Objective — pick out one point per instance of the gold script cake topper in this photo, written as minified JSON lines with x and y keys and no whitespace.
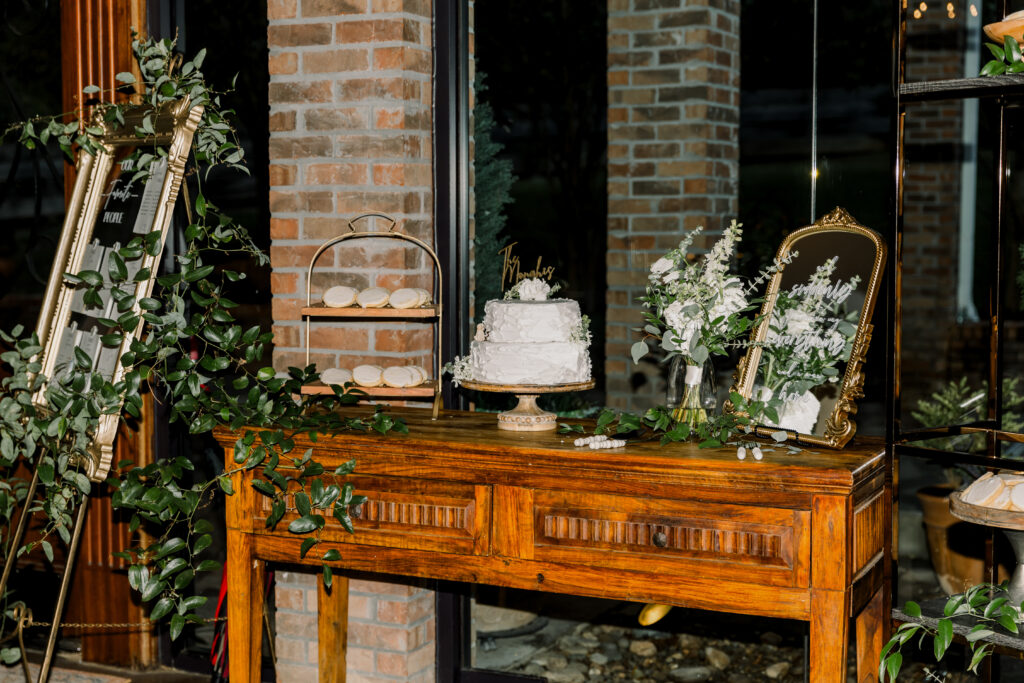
{"x":512,"y":272}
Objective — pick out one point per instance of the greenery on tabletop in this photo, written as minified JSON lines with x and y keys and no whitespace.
{"x":193,"y":354}
{"x":986,"y":604}
{"x":659,"y":422}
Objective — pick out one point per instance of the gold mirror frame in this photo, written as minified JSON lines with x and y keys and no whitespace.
{"x":839,"y":427}
{"x":174,"y":124}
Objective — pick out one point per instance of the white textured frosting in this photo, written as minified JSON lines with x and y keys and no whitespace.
{"x":529,"y":363}
{"x":531,"y":321}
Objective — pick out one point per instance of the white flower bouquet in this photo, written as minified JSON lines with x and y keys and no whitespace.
{"x":697,"y":309}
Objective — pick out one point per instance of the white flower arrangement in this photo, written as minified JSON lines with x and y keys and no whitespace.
{"x":696,"y":305}
{"x":809,"y":334}
{"x":459,"y":369}
{"x":582,"y":332}
{"x":531,"y":289}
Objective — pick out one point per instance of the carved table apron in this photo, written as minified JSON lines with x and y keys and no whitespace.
{"x":803,"y":536}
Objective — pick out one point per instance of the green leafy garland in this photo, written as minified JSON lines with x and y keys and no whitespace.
{"x":658,"y":422}
{"x":222,"y":387}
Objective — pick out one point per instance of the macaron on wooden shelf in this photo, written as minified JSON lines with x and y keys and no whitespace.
{"x":415,"y":304}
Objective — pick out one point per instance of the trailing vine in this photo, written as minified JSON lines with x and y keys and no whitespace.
{"x":193,"y":354}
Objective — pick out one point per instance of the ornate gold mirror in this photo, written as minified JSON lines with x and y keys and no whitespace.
{"x":109,"y":206}
{"x":807,"y":350}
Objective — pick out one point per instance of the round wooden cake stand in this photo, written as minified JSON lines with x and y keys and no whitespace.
{"x":1012,"y":524}
{"x":527,"y":416}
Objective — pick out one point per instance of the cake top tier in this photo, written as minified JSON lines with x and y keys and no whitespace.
{"x":531,"y":321}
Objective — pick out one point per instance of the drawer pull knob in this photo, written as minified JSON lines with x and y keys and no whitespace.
{"x":355,"y":511}
{"x":660,"y":539}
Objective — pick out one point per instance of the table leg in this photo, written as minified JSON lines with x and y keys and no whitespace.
{"x":332,"y":629}
{"x":830,"y":633}
{"x":870,"y":637}
{"x":245,"y":577}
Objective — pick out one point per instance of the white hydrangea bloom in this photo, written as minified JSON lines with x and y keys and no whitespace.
{"x":731,"y":299}
{"x":534,"y":289}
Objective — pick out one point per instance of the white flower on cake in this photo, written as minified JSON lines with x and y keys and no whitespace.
{"x":534,"y":289}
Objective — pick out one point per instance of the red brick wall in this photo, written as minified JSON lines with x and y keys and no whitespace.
{"x":350,"y":120}
{"x":673,"y":155}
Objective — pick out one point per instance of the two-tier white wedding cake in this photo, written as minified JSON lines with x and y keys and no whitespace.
{"x":531,"y":340}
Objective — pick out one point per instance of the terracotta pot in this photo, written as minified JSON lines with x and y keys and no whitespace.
{"x":957,"y":548}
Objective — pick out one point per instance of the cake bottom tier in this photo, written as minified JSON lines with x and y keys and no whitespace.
{"x":529,"y":362}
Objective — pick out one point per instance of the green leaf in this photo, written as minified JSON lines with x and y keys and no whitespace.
{"x":175,"y":565}
{"x":183,"y":579}
{"x":638,"y":351}
{"x":208,"y":566}
{"x":91,"y":89}
{"x":306,"y":545}
{"x":328,"y":575}
{"x":263,"y":486}
{"x":892,"y":665}
{"x":1011,"y":48}
{"x":125,"y":77}
{"x":302,"y":503}
{"x":943,"y":637}
{"x":198,"y":273}
{"x":303,"y":525}
{"x":912,"y":609}
{"x":979,"y":654}
{"x":191,"y":602}
{"x":202,"y":543}
{"x":978,"y":633}
{"x":225,"y":485}
{"x":170,"y":546}
{"x":152,"y":589}
{"x":332,"y":555}
{"x":161,"y":609}
{"x":177,"y":624}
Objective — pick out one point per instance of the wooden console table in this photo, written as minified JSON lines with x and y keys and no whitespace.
{"x":802,"y":536}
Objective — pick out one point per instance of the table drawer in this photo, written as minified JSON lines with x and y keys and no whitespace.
{"x":669,"y":537}
{"x":409,"y":513}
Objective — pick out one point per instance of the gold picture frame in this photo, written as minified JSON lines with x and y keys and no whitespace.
{"x":834,"y":426}
{"x":103,"y":206}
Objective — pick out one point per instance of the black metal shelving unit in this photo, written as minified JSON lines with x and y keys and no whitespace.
{"x":1007,"y":92}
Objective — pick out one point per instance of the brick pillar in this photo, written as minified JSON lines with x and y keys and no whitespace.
{"x":673,"y":155}
{"x":350,"y":121}
{"x":391,"y":631}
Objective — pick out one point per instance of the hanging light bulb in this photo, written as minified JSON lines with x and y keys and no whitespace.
{"x":923,"y":6}
{"x":974,"y":10}
{"x":917,"y":14}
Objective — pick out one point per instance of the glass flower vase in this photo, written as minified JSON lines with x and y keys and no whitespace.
{"x":690,"y":392}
